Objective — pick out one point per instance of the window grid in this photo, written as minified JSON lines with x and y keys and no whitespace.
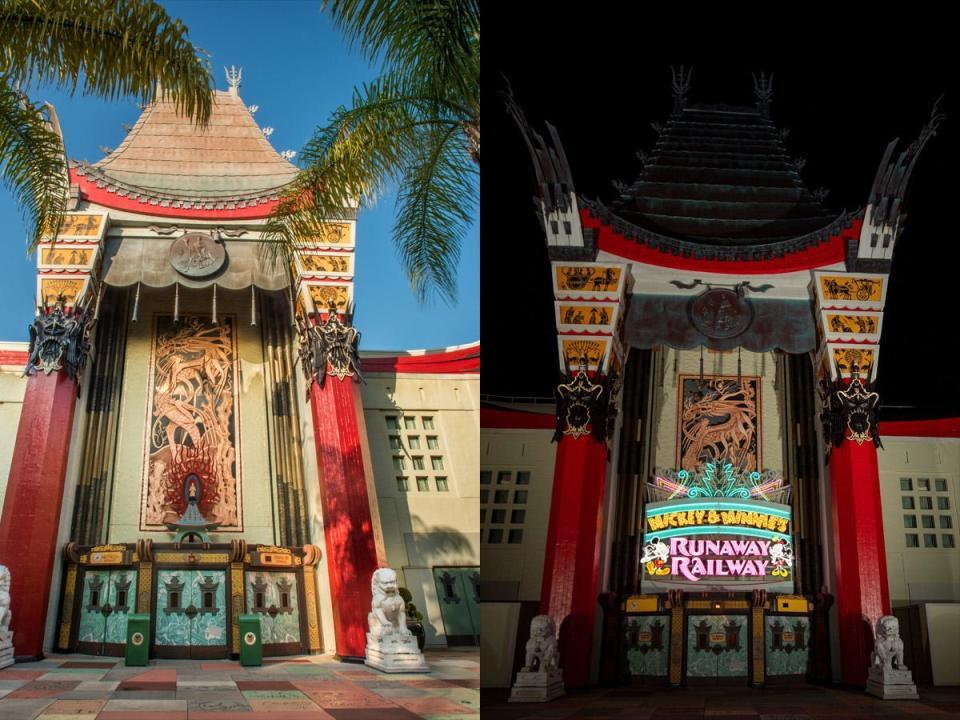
{"x":935,"y":497}
{"x":503,"y":508}
{"x":405,"y":436}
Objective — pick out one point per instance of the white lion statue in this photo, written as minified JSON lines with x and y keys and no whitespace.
{"x":888,"y":647}
{"x":5,"y":615}
{"x":388,"y":615}
{"x":542,"y":655}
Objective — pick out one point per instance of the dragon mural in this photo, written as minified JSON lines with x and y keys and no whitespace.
{"x":718,"y":420}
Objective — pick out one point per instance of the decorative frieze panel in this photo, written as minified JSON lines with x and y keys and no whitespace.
{"x":850,"y":321}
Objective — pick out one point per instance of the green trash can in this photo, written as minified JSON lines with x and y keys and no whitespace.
{"x":251,"y":646}
{"x":137,"y":652}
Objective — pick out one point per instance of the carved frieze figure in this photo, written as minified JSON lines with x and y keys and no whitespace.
{"x":329,"y":347}
{"x":59,"y":340}
{"x":542,"y":654}
{"x":388,"y":614}
{"x":888,"y":647}
{"x":6,"y":636}
{"x":850,"y":412}
{"x":585,"y":405}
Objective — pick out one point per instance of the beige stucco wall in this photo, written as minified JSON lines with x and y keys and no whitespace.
{"x":13,"y":384}
{"x":920,"y":574}
{"x":254,"y":472}
{"x":687,"y":362}
{"x":427,"y":529}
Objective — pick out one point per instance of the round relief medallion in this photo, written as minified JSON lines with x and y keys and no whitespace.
{"x":721,"y":313}
{"x":250,"y":638}
{"x":137,"y":638}
{"x":197,"y":255}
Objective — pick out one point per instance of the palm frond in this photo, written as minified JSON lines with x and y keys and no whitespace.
{"x":434,"y":211}
{"x":106,"y":48}
{"x":32,"y":163}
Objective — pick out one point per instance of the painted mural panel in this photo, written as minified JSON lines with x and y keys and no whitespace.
{"x":274,"y":597}
{"x":646,"y":638}
{"x":192,"y":422}
{"x":717,"y":646}
{"x":202,"y":590}
{"x":208,"y":595}
{"x":92,"y":621}
{"x":121,"y":596}
{"x":719,"y":420}
{"x":173,"y":625}
{"x":787,"y":638}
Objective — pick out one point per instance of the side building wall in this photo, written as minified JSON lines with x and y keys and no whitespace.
{"x":13,"y":385}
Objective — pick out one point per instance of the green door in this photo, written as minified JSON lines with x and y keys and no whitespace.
{"x":108,"y":597}
{"x":191,"y":617}
{"x":458,"y":592}
{"x":273,"y":596}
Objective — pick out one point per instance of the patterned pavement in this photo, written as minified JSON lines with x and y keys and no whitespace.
{"x":81,"y":687}
{"x":795,"y":702}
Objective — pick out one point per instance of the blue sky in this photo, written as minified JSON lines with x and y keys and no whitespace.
{"x":297,"y":68}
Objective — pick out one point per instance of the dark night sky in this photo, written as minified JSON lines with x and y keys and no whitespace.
{"x":603,"y":87}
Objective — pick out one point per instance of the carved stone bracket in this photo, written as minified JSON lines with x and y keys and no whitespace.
{"x":329,"y":347}
{"x":585,"y":405}
{"x":850,"y":411}
{"x":59,"y":340}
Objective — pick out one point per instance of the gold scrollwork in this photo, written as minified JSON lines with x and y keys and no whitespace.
{"x":109,"y":548}
{"x":66,"y":618}
{"x":236,"y":592}
{"x":182,"y":557}
{"x":313,"y":625}
{"x":272,"y":549}
{"x":144,"y":586}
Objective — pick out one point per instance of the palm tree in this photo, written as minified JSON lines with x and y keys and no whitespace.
{"x":105,"y":48}
{"x":416,"y":126}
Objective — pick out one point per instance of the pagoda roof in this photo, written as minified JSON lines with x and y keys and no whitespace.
{"x":719,"y":175}
{"x":167,"y":157}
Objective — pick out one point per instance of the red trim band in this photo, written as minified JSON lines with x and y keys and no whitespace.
{"x":453,"y":362}
{"x":516,"y":419}
{"x":14,"y":357}
{"x":938,"y":428}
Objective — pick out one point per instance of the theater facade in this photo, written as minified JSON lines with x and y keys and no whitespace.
{"x":197,"y":434}
{"x":710,"y":509}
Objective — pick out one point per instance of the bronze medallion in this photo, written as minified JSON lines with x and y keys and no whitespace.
{"x":197,"y":255}
{"x":720,"y":313}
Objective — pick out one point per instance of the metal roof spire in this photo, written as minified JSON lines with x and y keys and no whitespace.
{"x":234,"y":75}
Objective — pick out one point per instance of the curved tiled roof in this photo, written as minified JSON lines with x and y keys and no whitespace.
{"x":167,"y":157}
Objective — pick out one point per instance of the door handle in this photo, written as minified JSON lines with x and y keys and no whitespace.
{"x":106,"y":610}
{"x":190,"y":612}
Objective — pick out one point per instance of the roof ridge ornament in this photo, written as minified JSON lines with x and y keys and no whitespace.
{"x":763,"y":90}
{"x":234,"y":76}
{"x":680,"y":80}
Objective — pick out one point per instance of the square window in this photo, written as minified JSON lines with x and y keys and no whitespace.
{"x":940,"y":484}
{"x":926,"y":502}
{"x":929,"y":540}
{"x":927,"y":521}
{"x":402,"y":484}
{"x":436,"y":462}
{"x":906,"y":484}
{"x":943,"y":503}
{"x":501,"y":497}
{"x":483,"y":515}
{"x":392,"y":422}
{"x":923,"y":484}
{"x":423,"y":485}
{"x":418,"y":462}
{"x":515,"y":537}
{"x":912,"y":540}
{"x":520,"y":497}
{"x":410,"y":423}
{"x":495,"y":535}
{"x":442,"y":485}
{"x":906,"y":503}
{"x":518,"y":516}
{"x":947,"y":541}
{"x":523,"y":478}
{"x":395,"y":442}
{"x":498,"y":516}
{"x":503,"y":477}
{"x":398,"y":462}
{"x":946,"y":521}
{"x":428,"y":422}
{"x":909,"y":521}
{"x":413,"y":441}
{"x":485,"y":477}
{"x":484,"y":496}
{"x":432,"y":442}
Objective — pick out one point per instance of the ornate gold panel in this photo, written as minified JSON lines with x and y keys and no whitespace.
{"x":327,"y":263}
{"x":144,"y":586}
{"x":843,"y":359}
{"x":313,"y":622}
{"x":586,"y":314}
{"x":236,"y":595}
{"x":66,"y":617}
{"x":585,"y":278}
{"x":189,"y":557}
{"x":676,"y":645}
{"x":595,"y":351}
{"x":757,"y":632}
{"x":321,"y":295}
{"x":846,"y":287}
{"x":81,"y":226}
{"x":67,"y":256}
{"x":70,"y":288}
{"x":858,"y":324}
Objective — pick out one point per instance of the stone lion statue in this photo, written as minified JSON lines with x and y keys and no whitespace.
{"x":4,"y":601}
{"x":542,"y":655}
{"x":888,"y":647}
{"x":388,"y":615}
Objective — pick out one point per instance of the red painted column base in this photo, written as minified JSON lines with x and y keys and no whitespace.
{"x":571,"y":566}
{"x":348,"y":526}
{"x":31,"y":507}
{"x":862,"y":592}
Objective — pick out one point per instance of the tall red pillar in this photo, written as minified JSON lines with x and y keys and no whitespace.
{"x":571,"y":567}
{"x":862,"y":592}
{"x":31,"y":507}
{"x":347,"y":521}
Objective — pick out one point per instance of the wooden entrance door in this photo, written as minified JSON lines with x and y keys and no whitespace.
{"x":191,"y":614}
{"x":108,"y":597}
{"x":458,"y":592}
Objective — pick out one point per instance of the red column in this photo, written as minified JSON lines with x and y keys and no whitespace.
{"x":347,"y":524}
{"x":571,"y":567}
{"x":862,"y":592}
{"x":31,"y":507}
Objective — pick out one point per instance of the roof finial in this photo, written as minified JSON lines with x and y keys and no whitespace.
{"x":763,"y":90}
{"x":234,"y":75}
{"x":681,"y":86}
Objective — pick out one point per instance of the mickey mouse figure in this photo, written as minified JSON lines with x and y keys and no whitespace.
{"x":782,"y":556}
{"x":655,"y":555}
